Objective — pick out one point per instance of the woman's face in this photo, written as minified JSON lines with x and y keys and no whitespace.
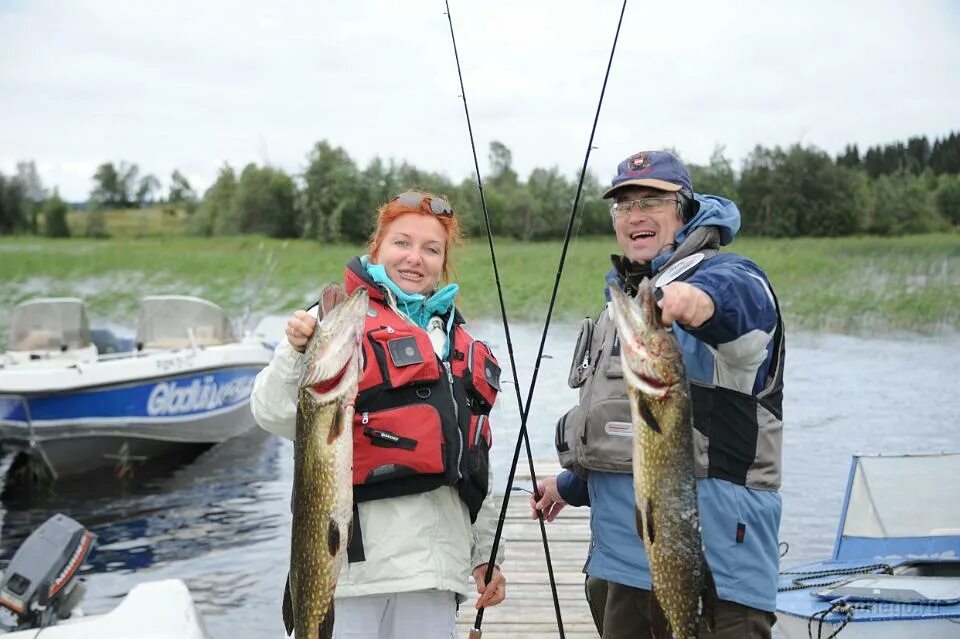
{"x":412,"y":252}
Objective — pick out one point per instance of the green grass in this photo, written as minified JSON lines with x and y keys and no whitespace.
{"x":848,"y":285}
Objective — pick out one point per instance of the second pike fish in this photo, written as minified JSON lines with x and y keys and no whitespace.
{"x":668,"y":520}
{"x":323,"y":465}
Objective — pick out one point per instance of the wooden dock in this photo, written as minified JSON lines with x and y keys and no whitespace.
{"x":528,"y":611}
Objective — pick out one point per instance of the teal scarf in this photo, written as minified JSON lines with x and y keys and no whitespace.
{"x":419,"y":308}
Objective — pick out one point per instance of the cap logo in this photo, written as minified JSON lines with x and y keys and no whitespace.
{"x":639,"y":163}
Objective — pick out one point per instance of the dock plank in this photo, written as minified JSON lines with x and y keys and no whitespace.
{"x":528,"y":611}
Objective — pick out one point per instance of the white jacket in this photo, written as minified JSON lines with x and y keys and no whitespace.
{"x":413,"y":542}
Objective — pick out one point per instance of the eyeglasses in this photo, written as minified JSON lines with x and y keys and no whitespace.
{"x":414,"y":199}
{"x":646,"y":205}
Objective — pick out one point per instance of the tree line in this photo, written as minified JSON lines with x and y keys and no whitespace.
{"x":892,"y":189}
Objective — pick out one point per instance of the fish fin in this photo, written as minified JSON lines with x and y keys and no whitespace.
{"x":659,"y":624}
{"x":287,"y":608}
{"x":709,"y":599}
{"x":326,"y":626}
{"x":651,"y":536}
{"x":333,"y":538}
{"x":331,"y":295}
{"x":645,"y":521}
{"x":336,"y":429}
{"x":648,"y":418}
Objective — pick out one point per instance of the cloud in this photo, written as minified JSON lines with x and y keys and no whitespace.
{"x":188,"y":86}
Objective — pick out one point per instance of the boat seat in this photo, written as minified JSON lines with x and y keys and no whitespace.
{"x":39,"y":340}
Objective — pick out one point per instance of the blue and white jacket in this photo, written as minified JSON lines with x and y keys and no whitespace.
{"x":734,"y":363}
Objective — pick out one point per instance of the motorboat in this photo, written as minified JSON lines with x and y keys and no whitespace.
{"x":186,"y":380}
{"x":41,"y":592}
{"x":895,"y":568}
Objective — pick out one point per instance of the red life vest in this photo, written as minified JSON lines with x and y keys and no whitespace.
{"x":420,"y":422}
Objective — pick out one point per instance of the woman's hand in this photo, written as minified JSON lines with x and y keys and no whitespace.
{"x":300,"y":327}
{"x":493,"y":593}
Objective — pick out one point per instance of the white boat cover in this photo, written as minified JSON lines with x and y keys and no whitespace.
{"x":151,"y":610}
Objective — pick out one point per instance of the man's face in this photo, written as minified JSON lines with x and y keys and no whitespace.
{"x":644,"y":230}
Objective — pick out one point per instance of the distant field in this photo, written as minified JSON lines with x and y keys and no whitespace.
{"x":124,"y":223}
{"x":848,"y":285}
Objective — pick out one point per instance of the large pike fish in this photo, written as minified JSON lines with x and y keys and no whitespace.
{"x":663,"y":471}
{"x":323,"y":465}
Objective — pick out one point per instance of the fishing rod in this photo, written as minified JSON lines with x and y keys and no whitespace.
{"x":522,"y":437}
{"x":475,"y":632}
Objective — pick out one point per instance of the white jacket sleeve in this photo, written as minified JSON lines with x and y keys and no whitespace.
{"x":485,"y":528}
{"x":274,"y":397}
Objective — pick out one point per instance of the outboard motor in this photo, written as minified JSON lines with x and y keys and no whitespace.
{"x":40,"y":586}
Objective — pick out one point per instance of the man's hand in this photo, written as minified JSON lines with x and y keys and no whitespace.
{"x":493,"y":593}
{"x":551,"y":503}
{"x":686,"y":304}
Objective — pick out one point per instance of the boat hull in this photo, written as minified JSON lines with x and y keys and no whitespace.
{"x":114,"y":412}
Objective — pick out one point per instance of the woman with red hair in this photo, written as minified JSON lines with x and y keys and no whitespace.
{"x":423,"y":517}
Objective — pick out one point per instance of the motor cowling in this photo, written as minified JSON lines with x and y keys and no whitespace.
{"x":40,"y":585}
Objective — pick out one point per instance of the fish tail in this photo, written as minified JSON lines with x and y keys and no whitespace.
{"x":325,"y":630}
{"x":659,"y":624}
{"x":287,"y":608}
{"x":708,"y":598}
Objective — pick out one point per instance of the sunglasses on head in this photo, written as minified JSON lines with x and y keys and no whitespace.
{"x":414,"y":200}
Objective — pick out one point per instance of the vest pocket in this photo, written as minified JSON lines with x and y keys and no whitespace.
{"x":482,"y":375}
{"x":405,"y":357}
{"x":568,"y":431}
{"x":614,"y":367}
{"x":478,"y":455}
{"x":398,"y":442}
{"x":480,"y":432}
{"x":580,"y":366}
{"x":607,"y":440}
{"x":478,"y":464}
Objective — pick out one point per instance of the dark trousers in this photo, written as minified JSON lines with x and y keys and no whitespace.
{"x":626,"y":616}
{"x":596,"y":592}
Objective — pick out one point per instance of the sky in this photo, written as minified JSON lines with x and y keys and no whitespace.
{"x":192,"y":85}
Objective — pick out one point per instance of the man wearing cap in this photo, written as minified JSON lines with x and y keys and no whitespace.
{"x":726,"y":318}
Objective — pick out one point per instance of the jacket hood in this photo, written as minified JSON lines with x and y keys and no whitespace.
{"x":714,"y":211}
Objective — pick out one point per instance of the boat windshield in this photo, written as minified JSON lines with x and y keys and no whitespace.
{"x":50,"y":324}
{"x":906,"y":496}
{"x":173,"y":321}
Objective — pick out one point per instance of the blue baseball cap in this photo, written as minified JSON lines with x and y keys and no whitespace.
{"x":656,"y":169}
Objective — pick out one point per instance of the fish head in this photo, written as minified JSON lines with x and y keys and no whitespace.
{"x":649,"y":352}
{"x":335,"y":349}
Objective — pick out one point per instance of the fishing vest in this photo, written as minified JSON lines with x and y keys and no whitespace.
{"x":420,"y":421}
{"x":737,"y":436}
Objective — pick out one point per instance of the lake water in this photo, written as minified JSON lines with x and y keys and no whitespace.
{"x":221,"y":521}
